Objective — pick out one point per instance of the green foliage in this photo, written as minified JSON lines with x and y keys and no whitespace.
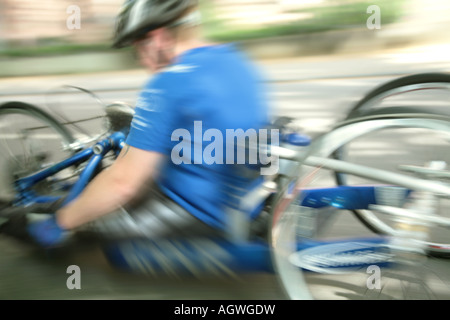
{"x":339,"y":14}
{"x":55,"y":49}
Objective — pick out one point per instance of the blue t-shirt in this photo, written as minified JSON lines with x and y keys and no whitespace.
{"x":185,"y":113}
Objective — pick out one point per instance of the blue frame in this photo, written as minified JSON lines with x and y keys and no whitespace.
{"x":94,"y":155}
{"x":244,"y":256}
{"x":340,"y":197}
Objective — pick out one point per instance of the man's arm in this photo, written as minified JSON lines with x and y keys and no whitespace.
{"x":112,"y":188}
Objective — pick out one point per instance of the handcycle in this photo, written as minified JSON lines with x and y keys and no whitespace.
{"x":309,"y":243}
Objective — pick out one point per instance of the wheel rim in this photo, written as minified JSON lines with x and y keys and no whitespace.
{"x":420,"y":96}
{"x":428,"y":96}
{"x":324,"y":147}
{"x":29,"y":142}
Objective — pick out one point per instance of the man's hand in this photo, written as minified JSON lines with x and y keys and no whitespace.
{"x":47,"y":233}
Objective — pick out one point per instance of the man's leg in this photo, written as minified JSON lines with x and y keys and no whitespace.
{"x":156,"y":217}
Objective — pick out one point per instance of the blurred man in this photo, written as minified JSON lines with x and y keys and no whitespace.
{"x":168,"y":191}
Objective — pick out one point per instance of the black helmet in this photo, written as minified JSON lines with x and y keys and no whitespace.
{"x":138,"y":17}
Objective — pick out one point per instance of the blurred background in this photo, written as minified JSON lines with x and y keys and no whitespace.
{"x":31,"y":31}
{"x":319,"y":57}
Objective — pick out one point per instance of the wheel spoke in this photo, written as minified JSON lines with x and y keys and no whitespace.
{"x":31,"y":139}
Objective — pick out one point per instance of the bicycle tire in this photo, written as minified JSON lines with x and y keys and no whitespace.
{"x":362,"y":110}
{"x":42,"y":119}
{"x":26,"y":108}
{"x":367,"y":218}
{"x":322,"y":148}
{"x":398,"y":86}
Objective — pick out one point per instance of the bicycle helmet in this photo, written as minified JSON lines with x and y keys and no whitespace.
{"x":137,"y":17}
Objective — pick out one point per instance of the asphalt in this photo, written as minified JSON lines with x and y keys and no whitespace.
{"x":386,"y":63}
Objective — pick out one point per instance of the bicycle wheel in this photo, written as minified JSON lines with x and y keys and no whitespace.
{"x":31,"y":140}
{"x":320,"y":251}
{"x":423,"y":95}
{"x":79,"y":109}
{"x":427,"y":92}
